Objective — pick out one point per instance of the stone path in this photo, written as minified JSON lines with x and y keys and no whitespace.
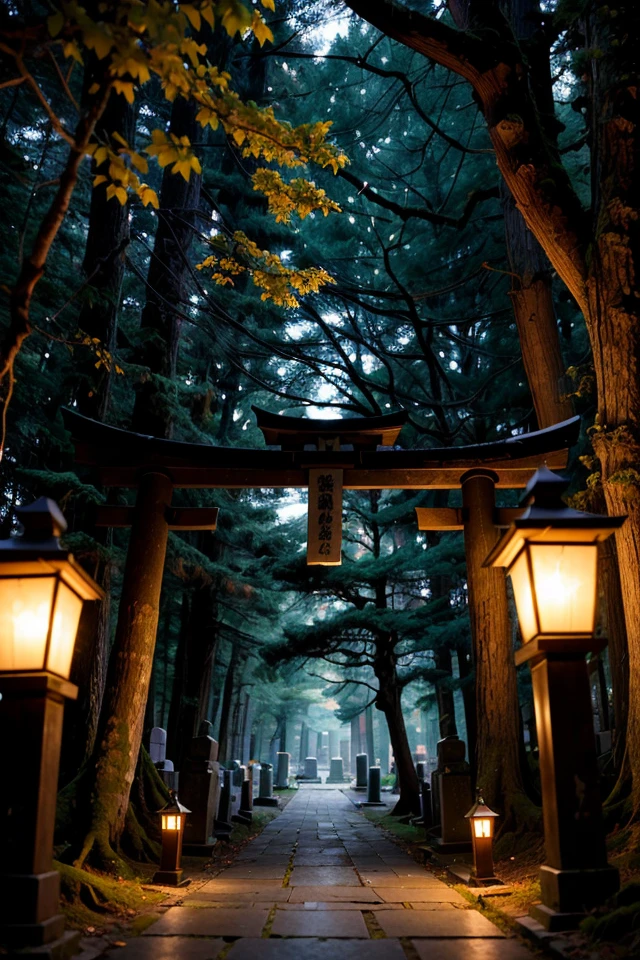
{"x":322,"y":883}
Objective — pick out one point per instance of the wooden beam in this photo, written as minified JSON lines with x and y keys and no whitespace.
{"x":440,"y":518}
{"x":178,"y":518}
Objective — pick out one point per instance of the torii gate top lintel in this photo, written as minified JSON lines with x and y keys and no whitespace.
{"x":122,"y":458}
{"x":362,"y":433}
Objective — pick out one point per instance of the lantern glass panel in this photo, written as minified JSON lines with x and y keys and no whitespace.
{"x":25,"y":611}
{"x":170,"y":821}
{"x":521,"y":581}
{"x":564,"y":576}
{"x":482,"y":827}
{"x":66,"y":618}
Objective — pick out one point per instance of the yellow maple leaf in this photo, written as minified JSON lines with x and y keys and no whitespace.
{"x":148,"y":196}
{"x":126,"y":89}
{"x":192,"y":14}
{"x":260,"y":30}
{"x":269,"y":5}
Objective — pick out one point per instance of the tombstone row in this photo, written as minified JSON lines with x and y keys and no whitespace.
{"x":216,"y":796}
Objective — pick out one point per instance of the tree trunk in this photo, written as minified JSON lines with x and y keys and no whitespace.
{"x":104,"y":263}
{"x":497,"y":754}
{"x":467,"y":676}
{"x":89,"y":673}
{"x":225,"y":713}
{"x":615,"y":631}
{"x":161,"y":318}
{"x":532,"y":300}
{"x":115,"y":756}
{"x":614,"y":317}
{"x":175,"y":723}
{"x":391,"y":705}
{"x":371,"y":749}
{"x":444,"y":694}
{"x":389,"y":701}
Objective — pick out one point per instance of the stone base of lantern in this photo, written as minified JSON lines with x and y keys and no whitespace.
{"x":567,"y":895}
{"x":266,"y":802}
{"x":169,"y":878}
{"x":489,"y":886}
{"x":341,"y":780}
{"x":68,"y":945}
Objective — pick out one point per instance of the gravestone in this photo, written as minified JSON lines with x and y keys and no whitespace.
{"x":200,"y":792}
{"x":282,"y":776}
{"x":265,"y":796}
{"x":374,"y":798}
{"x":425,"y":803}
{"x":336,"y":771}
{"x":310,"y":770}
{"x":362,"y":771}
{"x":222,"y":825}
{"x":421,"y":769}
{"x":451,"y":797}
{"x":158,"y":754}
{"x":242,"y":788}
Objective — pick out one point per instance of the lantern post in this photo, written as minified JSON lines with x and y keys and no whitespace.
{"x":550,"y":552}
{"x":482,"y":821}
{"x":42,"y":590}
{"x":173,"y":818}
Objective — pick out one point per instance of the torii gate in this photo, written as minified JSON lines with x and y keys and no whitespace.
{"x":155,"y":467}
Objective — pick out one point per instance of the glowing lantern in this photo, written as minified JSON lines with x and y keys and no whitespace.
{"x":173,"y":818}
{"x":551,"y":555}
{"x":482,"y":820}
{"x":42,"y":590}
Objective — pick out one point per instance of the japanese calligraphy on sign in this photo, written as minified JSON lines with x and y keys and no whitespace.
{"x":324,"y":540}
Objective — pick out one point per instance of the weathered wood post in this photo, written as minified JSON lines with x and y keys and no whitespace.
{"x":496,"y":753}
{"x":131,"y":659}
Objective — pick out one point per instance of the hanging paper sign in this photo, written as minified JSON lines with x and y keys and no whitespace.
{"x":324,"y":539}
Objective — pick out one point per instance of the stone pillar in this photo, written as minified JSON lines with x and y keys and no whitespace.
{"x":334,"y":744}
{"x":282,"y":777}
{"x":200,"y":792}
{"x":355,"y":743}
{"x":421,"y":769}
{"x":374,"y":785}
{"x":345,"y":753}
{"x":362,"y":770}
{"x":425,"y":804}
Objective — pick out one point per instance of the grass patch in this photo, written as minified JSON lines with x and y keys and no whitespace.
{"x":403,"y":831}
{"x":92,"y":901}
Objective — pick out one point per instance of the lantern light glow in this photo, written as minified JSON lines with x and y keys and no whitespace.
{"x":551,"y":555}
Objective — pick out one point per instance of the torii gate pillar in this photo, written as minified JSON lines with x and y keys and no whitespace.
{"x":491,"y":639}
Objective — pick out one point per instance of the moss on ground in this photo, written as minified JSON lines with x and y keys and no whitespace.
{"x":92,"y":901}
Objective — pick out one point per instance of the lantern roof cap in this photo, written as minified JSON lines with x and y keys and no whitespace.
{"x":174,"y":805}
{"x":480,"y":809}
{"x":38,"y":551}
{"x":547,"y":518}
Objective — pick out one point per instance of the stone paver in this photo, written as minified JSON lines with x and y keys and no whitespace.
{"x":319,"y":923}
{"x":471,"y":950}
{"x":317,"y":950}
{"x":436,"y":923}
{"x":169,"y":948}
{"x":221,"y":922}
{"x":345,"y":873}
